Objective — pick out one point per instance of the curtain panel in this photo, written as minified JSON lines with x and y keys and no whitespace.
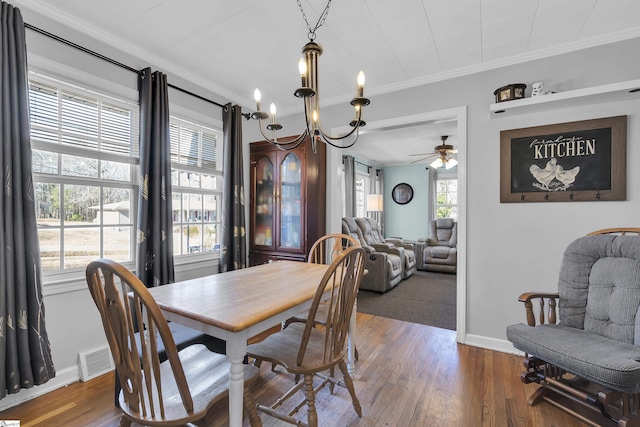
{"x":349,"y":185}
{"x":25,"y":352}
{"x":233,"y":247}
{"x":155,"y":234}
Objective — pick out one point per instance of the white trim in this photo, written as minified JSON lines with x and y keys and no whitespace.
{"x":64,"y":377}
{"x":334,"y":204}
{"x":494,"y":344}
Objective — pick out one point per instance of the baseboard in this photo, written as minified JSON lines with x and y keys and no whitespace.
{"x":495,"y":344}
{"x":62,"y":378}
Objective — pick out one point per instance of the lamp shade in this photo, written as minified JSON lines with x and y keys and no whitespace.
{"x":374,"y":203}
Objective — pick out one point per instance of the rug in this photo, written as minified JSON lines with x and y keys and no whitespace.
{"x":426,"y":298}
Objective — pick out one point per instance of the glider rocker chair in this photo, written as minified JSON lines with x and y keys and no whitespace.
{"x":589,"y":363}
{"x":181,"y":390}
{"x":307,"y":349}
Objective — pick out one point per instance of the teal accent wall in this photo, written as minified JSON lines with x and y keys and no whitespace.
{"x":407,"y":221}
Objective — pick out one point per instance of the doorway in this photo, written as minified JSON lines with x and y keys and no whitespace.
{"x":334,"y":208}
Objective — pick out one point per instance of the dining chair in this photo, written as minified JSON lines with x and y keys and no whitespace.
{"x":181,"y":389}
{"x":308,"y":350}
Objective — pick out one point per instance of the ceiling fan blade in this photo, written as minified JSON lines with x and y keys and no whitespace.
{"x":422,"y":154}
{"x":418,"y":161}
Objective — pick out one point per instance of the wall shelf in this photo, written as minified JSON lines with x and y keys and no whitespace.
{"x":572,"y":98}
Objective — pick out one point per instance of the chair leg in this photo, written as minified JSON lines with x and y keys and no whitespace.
{"x":312,"y":415}
{"x":125,"y":422}
{"x":349,"y":384}
{"x":250,"y":408}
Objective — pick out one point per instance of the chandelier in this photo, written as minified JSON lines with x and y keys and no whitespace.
{"x":310,"y":94}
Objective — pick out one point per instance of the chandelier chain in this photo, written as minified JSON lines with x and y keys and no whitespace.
{"x":321,"y":19}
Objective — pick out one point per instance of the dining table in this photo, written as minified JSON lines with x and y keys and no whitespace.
{"x":240,"y":304}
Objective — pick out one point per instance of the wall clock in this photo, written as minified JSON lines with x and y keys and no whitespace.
{"x":402,"y":193}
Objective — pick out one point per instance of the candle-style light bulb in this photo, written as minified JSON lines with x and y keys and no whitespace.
{"x":360,"y":84}
{"x":258,"y":97}
{"x":272,"y":110}
{"x":302,"y":68}
{"x":314,"y":118}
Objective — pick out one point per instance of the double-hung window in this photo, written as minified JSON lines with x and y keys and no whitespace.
{"x":447,"y":197}
{"x":84,"y":151}
{"x":196,"y":180}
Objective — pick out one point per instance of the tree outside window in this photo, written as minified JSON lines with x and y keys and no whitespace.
{"x":447,"y":198}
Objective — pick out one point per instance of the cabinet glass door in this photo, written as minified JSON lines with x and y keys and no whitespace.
{"x":290,"y":219}
{"x":263,"y":234}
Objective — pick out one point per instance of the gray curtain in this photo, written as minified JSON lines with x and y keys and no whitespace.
{"x":375,"y":187}
{"x":155,"y":225}
{"x":233,"y":240}
{"x":349,"y":185}
{"x":433,"y":192}
{"x":380,"y":215}
{"x":25,"y":353}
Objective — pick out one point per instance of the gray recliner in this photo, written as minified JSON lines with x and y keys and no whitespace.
{"x":439,"y":251}
{"x":591,"y":359}
{"x":384,"y":270}
{"x":373,"y":235}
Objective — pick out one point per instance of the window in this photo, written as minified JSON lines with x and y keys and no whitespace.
{"x":196,"y":187}
{"x":84,"y":163}
{"x":447,"y":198}
{"x":362,"y":189}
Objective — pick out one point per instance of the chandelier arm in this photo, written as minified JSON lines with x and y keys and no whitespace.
{"x":328,"y":141}
{"x":284,"y":145}
{"x":325,"y":135}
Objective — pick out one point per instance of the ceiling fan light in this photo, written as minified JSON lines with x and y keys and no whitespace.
{"x":451,"y":163}
{"x":437,"y":163}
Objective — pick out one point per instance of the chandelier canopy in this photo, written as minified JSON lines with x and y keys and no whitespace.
{"x":310,"y":94}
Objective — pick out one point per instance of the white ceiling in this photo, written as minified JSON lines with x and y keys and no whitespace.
{"x":232,"y":47}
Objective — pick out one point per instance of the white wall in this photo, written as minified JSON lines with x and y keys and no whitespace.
{"x":512,"y":248}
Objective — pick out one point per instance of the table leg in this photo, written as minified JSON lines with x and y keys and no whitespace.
{"x":352,"y":340}
{"x":236,"y":350}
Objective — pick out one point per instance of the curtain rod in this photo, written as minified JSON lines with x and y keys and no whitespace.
{"x":114,"y":62}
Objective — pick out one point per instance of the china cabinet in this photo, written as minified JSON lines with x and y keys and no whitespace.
{"x":288,"y":199}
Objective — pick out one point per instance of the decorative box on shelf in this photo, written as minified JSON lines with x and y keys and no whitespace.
{"x":510,"y":92}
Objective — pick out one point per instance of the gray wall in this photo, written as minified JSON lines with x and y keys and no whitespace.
{"x":511,"y":248}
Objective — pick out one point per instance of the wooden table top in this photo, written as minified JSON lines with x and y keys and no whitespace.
{"x":239,"y":299}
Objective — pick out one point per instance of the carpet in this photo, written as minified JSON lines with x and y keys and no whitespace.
{"x":426,"y":298}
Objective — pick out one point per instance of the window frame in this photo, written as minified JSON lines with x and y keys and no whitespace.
{"x":446,"y":177}
{"x":93,"y":89}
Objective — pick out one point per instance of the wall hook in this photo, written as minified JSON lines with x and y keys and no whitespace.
{"x":598,"y":194}
{"x":571,"y":195}
{"x":546,"y":196}
{"x":522,"y":197}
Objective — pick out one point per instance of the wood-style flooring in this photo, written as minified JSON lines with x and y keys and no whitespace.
{"x":407,"y":375}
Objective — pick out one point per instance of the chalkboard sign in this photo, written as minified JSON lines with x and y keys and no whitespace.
{"x":583,"y":160}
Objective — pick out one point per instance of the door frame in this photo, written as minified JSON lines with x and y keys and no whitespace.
{"x":334,"y":205}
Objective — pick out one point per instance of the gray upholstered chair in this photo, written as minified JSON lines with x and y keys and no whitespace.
{"x":439,"y":251}
{"x":589,"y":363}
{"x":373,"y":235}
{"x":384,"y":269}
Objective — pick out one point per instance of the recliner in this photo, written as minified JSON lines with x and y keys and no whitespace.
{"x":384,"y":268}
{"x":439,"y":251}
{"x":373,"y":234}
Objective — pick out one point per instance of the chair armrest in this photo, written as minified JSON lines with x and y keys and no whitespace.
{"x":389,"y":249}
{"x":549,"y":298}
{"x":393,"y":241}
{"x":400,"y":244}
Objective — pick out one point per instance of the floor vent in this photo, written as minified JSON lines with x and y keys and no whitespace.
{"x":95,"y":363}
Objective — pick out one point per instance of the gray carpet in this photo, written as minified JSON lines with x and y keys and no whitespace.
{"x":426,"y":298}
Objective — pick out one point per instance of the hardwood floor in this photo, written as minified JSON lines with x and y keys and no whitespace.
{"x":407,"y":375}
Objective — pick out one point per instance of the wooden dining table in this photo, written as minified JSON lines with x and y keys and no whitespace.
{"x":240,"y":304}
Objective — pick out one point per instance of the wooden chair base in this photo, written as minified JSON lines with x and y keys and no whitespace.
{"x":592,"y":404}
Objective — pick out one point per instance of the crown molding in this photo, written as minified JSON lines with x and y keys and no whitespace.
{"x":168,"y":67}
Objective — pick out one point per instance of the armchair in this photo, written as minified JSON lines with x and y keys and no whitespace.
{"x":384,"y":269}
{"x":589,"y":363}
{"x":373,"y":235}
{"x":439,"y":251}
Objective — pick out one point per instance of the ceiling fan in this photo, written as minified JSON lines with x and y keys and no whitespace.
{"x":443,"y":154}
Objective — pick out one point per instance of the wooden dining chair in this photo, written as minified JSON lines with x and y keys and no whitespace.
{"x":308,"y":350}
{"x":180,"y":390}
{"x":323,"y":251}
